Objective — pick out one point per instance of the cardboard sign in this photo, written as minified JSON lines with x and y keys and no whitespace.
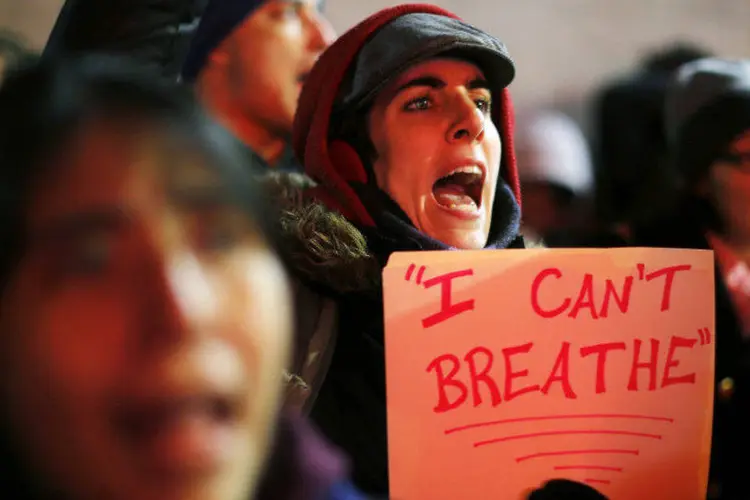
{"x":509,"y":368}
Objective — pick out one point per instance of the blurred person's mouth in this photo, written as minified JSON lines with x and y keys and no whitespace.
{"x":189,"y":429}
{"x":302,"y":78}
{"x":191,"y":434}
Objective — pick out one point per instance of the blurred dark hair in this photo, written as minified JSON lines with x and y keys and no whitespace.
{"x":670,"y":57}
{"x":13,"y":50}
{"x":44,"y":104}
{"x":630,"y":146}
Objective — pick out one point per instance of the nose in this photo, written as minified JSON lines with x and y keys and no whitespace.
{"x":468,"y":123}
{"x":180,"y":300}
{"x":321,"y":32}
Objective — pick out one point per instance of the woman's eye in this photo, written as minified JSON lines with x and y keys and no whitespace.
{"x":483,"y":104}
{"x":418,"y":104}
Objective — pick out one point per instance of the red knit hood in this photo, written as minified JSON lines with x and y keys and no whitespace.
{"x":335,"y":164}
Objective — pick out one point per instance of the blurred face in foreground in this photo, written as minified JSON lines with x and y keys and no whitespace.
{"x":145,"y":328}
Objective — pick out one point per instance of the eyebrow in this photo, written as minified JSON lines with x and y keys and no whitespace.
{"x":479,"y":83}
{"x":436,"y":83}
{"x":78,"y":223}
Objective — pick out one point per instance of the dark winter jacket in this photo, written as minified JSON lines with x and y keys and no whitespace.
{"x":303,"y":466}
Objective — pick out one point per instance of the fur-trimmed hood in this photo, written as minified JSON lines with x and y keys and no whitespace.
{"x":319,"y":245}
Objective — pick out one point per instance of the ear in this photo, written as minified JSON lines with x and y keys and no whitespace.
{"x":347,"y":162}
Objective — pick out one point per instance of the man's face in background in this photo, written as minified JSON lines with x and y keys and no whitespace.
{"x":269,"y":56}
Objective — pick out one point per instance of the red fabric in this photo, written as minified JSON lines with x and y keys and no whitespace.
{"x":311,"y":123}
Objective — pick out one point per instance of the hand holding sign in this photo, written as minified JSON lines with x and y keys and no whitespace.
{"x":508,"y":368}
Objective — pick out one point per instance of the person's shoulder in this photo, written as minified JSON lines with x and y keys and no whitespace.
{"x":319,"y":245}
{"x":345,"y":490}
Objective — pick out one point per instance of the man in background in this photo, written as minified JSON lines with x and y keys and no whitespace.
{"x":247,"y":58}
{"x":248,"y":61}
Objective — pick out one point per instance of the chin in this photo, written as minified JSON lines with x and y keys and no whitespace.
{"x":464,"y":240}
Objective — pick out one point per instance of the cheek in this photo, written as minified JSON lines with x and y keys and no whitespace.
{"x":729,"y":187}
{"x":409,"y":157}
{"x":78,"y":338}
{"x":493,"y":152}
{"x":65,"y":355}
{"x":259,"y":307}
{"x":280,"y":51}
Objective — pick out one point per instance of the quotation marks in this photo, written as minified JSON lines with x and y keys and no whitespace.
{"x":448,"y":308}
{"x":705,"y":336}
{"x":410,"y":272}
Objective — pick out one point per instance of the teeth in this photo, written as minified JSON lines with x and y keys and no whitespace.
{"x":469,"y":169}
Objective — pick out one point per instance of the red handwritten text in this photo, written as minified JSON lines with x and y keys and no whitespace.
{"x":592,"y":299}
{"x":476,"y":376}
{"x":447,"y":308}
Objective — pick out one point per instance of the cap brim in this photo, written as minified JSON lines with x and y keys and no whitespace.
{"x":497,"y":67}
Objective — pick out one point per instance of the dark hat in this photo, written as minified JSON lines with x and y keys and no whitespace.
{"x":416,"y":37}
{"x":707,"y":106}
{"x":219,"y":19}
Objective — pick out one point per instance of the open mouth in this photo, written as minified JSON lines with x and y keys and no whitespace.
{"x":461,"y":189}
{"x":180,"y":435}
{"x":142,"y":421}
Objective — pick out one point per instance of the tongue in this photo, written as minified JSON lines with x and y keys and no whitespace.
{"x":454,"y":196}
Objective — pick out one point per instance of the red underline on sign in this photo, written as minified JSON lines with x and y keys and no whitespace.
{"x":575,"y":452}
{"x":587,"y":467}
{"x":558,"y":417}
{"x":565,"y":433}
{"x":596,"y":481}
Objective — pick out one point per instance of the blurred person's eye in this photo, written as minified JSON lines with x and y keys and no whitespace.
{"x":287,"y":10}
{"x":89,"y":255}
{"x":737,"y":158}
{"x":218,"y":238}
{"x":221,"y":232}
